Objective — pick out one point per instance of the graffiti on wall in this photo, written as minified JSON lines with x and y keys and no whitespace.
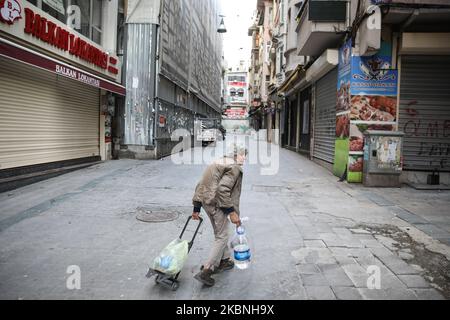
{"x":174,"y":118}
{"x":432,"y":137}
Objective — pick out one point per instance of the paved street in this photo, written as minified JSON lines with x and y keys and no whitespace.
{"x":312,"y":237}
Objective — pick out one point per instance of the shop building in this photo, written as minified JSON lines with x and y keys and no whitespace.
{"x":235,"y":113}
{"x":60,"y":84}
{"x":374,"y":65}
{"x":173,"y":67}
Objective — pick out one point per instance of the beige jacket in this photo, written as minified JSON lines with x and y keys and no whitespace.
{"x":220,"y":185}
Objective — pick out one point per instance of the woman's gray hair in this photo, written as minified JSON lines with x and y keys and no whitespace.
{"x":236,"y":149}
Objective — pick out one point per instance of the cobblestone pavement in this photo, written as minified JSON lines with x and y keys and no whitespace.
{"x":312,"y":237}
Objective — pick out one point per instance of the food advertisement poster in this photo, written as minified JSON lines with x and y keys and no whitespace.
{"x":344,"y":78}
{"x":343,"y":109}
{"x":367,"y":96}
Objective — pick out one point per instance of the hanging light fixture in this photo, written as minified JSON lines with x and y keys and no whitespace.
{"x":222,"y":28}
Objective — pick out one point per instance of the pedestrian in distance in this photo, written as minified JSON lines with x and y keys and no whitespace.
{"x":218,"y":193}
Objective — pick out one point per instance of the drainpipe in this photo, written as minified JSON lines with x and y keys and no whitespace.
{"x":349,"y":12}
{"x":410,"y":19}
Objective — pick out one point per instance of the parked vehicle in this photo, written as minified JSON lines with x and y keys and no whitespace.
{"x":209,"y":130}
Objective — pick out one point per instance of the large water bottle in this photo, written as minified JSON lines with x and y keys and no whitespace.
{"x":241,"y":249}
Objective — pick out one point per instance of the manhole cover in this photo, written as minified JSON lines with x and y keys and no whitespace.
{"x":152,"y":214}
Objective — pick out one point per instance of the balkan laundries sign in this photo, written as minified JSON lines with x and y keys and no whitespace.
{"x":23,"y":21}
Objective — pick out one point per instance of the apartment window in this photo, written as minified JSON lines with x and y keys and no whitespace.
{"x":280,"y":58}
{"x":236,"y":78}
{"x":84,"y":16}
{"x":269,"y":44}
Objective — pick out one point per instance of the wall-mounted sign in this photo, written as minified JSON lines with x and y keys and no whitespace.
{"x":162,"y":121}
{"x":237,"y":84}
{"x":52,"y":65}
{"x":10,"y":11}
{"x":236,"y":113}
{"x":24,"y":21}
{"x":366,"y":100}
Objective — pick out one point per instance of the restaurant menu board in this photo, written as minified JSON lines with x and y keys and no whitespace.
{"x":366,"y":100}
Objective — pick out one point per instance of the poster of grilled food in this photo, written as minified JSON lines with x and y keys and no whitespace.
{"x":373,"y":108}
{"x":342,"y":126}
{"x":343,"y":97}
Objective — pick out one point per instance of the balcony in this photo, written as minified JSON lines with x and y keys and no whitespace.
{"x":321,"y":25}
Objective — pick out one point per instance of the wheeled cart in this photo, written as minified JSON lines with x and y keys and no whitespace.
{"x":167,"y":280}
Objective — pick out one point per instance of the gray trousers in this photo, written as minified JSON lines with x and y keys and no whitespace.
{"x":221,"y":227}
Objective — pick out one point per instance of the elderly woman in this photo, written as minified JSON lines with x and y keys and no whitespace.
{"x":218,"y":192}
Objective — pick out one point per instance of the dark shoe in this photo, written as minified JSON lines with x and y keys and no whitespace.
{"x":224,"y":265}
{"x":204,"y":276}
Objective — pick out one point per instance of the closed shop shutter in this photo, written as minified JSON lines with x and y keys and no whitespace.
{"x":45,"y":117}
{"x":325,"y":117}
{"x":425,"y":112}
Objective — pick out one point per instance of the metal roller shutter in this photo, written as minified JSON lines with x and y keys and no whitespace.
{"x":45,"y":117}
{"x":425,"y":112}
{"x":325,"y":117}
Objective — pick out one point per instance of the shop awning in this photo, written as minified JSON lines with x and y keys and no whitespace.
{"x":301,"y":77}
{"x":291,"y":80}
{"x":324,"y":64}
{"x":17,"y":52}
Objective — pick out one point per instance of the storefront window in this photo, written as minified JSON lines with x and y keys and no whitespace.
{"x":79,"y":15}
{"x":84,"y":16}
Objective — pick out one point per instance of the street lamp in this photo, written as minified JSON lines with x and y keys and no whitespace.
{"x":222,"y":28}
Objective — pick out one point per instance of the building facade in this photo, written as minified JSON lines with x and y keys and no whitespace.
{"x":61,"y":83}
{"x":260,"y":71}
{"x":236,"y":97}
{"x":173,"y":72}
{"x":373,"y":64}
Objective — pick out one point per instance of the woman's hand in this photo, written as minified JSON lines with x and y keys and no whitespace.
{"x":195,"y":215}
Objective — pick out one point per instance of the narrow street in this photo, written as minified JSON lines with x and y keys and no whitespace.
{"x":312,"y":237}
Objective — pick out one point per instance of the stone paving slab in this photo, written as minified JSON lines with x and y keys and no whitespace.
{"x":397,"y":265}
{"x":320,"y":293}
{"x":335,"y":275}
{"x":388,"y":294}
{"x":347,"y":293}
{"x":357,"y":274}
{"x":428,"y":294}
{"x":433,"y":231}
{"x":309,"y":268}
{"x":314,"y":244}
{"x":407,"y":216}
{"x":414,"y":281}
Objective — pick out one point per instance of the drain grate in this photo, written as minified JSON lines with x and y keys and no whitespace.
{"x":156,"y":214}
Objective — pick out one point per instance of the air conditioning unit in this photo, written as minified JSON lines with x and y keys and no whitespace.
{"x":327,"y":11}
